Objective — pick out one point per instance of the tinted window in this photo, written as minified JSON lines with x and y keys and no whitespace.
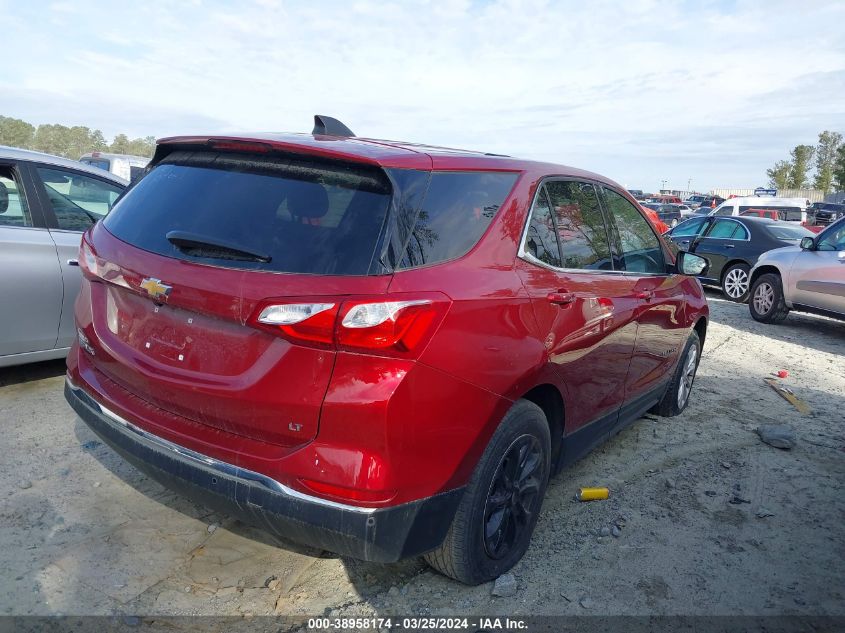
{"x":13,"y":208}
{"x":580,"y":225}
{"x":305,"y":216}
{"x":457,"y":209}
{"x":541,"y":240}
{"x":722,"y":229}
{"x":728,"y":210}
{"x":638,"y":244}
{"x":135,"y":172}
{"x":787,"y":232}
{"x":100,"y":163}
{"x":688,"y":228}
{"x":77,"y":200}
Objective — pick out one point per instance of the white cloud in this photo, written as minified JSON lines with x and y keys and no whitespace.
{"x":640,"y":91}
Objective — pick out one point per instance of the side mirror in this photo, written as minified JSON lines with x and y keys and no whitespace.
{"x":691,"y":264}
{"x":808,"y":244}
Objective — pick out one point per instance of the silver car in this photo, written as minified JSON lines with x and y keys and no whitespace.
{"x":807,"y":278}
{"x":46,"y":202}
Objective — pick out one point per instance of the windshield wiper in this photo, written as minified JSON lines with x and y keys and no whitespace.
{"x":204,"y":246}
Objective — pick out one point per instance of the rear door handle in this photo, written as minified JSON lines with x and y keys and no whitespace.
{"x":561,"y":298}
{"x":729,"y":246}
{"x":73,"y":262}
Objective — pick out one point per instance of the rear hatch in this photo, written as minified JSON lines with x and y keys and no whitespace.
{"x":193,"y":252}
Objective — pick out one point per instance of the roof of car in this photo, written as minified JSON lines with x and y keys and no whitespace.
{"x":396,"y":154}
{"x":14,"y":153}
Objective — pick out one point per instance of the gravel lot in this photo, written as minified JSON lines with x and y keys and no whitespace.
{"x":712,"y":520}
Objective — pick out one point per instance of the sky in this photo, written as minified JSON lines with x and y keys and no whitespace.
{"x":643,"y":91}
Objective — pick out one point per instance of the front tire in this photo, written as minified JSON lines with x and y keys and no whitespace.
{"x":767,"y":304}
{"x":735,"y":283}
{"x":497,"y":515}
{"x":677,"y":395}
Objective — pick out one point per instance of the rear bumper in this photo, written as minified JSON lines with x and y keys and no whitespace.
{"x":373,"y":534}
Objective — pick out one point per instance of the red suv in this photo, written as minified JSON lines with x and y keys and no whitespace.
{"x":376,"y":348}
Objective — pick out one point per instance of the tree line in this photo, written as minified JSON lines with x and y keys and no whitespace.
{"x":829,"y":155}
{"x":70,"y":142}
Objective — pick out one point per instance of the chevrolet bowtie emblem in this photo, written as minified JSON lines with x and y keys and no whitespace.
{"x":155,"y":288}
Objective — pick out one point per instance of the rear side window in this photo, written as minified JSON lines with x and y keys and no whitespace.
{"x":457,"y":209}
{"x":580,"y":225}
{"x":541,"y":239}
{"x":259,"y":213}
{"x":723,"y":229}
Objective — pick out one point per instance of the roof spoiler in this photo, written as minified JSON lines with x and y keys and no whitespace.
{"x":328,"y":126}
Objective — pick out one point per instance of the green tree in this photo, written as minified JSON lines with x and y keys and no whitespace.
{"x":120,"y":144}
{"x":16,"y":133}
{"x":779,"y":174}
{"x":138,"y":146}
{"x":839,"y":169}
{"x":800,"y":167}
{"x":826,"y":155}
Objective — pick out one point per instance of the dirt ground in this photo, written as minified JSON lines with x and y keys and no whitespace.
{"x":713,"y":521}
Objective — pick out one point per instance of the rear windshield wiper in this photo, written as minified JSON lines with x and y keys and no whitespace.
{"x":204,"y":246}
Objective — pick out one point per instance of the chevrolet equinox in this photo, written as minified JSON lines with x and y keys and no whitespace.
{"x":376,"y":348}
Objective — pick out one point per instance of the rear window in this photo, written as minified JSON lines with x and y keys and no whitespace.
{"x":251,"y":212}
{"x":787,"y":232}
{"x":100,"y":163}
{"x":457,"y":209}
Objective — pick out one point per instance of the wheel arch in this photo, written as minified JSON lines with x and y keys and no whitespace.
{"x":764,"y":270}
{"x":700,"y":328}
{"x":550,"y":400}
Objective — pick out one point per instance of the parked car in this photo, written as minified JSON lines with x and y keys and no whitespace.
{"x":732,"y":246}
{"x":669,"y":214}
{"x":685,"y":210}
{"x":711,"y":202}
{"x":637,"y":194}
{"x":772,"y":214}
{"x":664,"y":199}
{"x":809,"y":277}
{"x":124,"y":166}
{"x":789,"y":209}
{"x":45,"y":204}
{"x":655,"y":220}
{"x":824,"y":213}
{"x":379,"y":349}
{"x":695,"y":201}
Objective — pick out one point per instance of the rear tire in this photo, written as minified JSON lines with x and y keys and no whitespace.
{"x":496,"y":517}
{"x":735,"y":282}
{"x":766,"y":302}
{"x":677,"y":395}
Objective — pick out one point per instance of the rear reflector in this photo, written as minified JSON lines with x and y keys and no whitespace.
{"x":391,"y":328}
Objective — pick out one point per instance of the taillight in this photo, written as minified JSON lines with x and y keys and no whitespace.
{"x":396,"y":327}
{"x":399,"y":327}
{"x":87,"y":260}
{"x":305,"y":322}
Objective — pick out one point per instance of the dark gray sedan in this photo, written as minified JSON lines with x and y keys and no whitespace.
{"x":733,"y":245}
{"x":46,"y":202}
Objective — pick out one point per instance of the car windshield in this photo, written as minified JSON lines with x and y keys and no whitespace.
{"x":787,"y":232}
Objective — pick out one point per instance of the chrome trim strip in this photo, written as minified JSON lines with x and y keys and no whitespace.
{"x":203,"y":461}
